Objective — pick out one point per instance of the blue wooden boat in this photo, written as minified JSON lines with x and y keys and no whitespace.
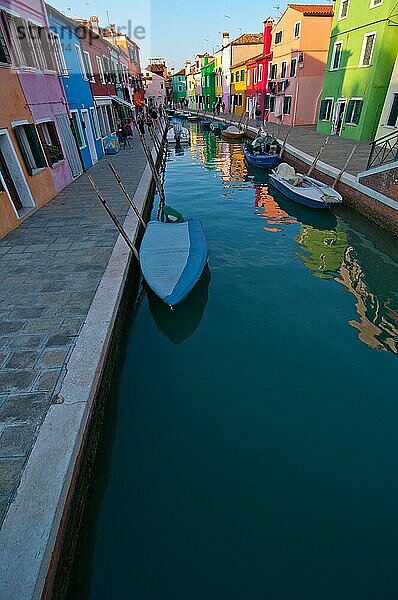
{"x":304,"y":189}
{"x":205,"y":123}
{"x":173,"y":256}
{"x":262,"y":161}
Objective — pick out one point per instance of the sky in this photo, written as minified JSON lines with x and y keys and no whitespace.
{"x":172,"y":29}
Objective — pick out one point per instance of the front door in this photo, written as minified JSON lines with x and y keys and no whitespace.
{"x":338,"y":119}
{"x":9,"y":183}
{"x":90,"y":136}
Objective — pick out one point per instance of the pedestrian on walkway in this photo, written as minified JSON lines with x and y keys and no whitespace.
{"x":223,"y":107}
{"x":214,"y":108}
{"x":127,"y":135}
{"x":141,"y":124}
{"x":218,"y":109}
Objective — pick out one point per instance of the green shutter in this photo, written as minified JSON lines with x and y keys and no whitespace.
{"x":322,"y":112}
{"x":357,"y":111}
{"x":22,"y":149}
{"x":35,"y":146}
{"x":350,"y":109}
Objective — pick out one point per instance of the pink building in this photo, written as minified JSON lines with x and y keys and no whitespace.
{"x":300,"y":44}
{"x":155,"y":88}
{"x":31,"y":44}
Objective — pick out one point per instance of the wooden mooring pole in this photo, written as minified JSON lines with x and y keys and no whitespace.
{"x":335,"y":182}
{"x":317,"y":157}
{"x":126,"y":193}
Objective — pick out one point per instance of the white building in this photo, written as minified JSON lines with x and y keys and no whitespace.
{"x":155,"y":88}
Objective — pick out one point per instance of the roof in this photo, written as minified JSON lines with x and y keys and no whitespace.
{"x":255,"y":59}
{"x":181,"y":72}
{"x":248,"y":39}
{"x":240,"y":64}
{"x":313,"y":10}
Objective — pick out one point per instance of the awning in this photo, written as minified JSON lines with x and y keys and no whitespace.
{"x":123,"y":102}
{"x":102,"y":100}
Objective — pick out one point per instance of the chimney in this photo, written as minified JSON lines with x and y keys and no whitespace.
{"x":225,"y":38}
{"x":268,"y":27}
{"x":172,"y":71}
{"x":187,"y":67}
{"x":94,"y":24}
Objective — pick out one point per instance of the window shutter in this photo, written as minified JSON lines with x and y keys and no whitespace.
{"x":44,"y":144}
{"x":357,"y":111}
{"x":33,"y":138}
{"x":4,"y":54}
{"x":322,"y":112}
{"x":22,"y":149}
{"x":350,"y":108}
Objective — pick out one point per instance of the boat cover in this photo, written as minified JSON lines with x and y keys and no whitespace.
{"x":173,"y":256}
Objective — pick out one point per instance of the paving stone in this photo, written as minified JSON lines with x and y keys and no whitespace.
{"x":3,"y":358}
{"x":11,"y":326}
{"x":10,"y":474}
{"x":71,"y":327}
{"x":22,"y":360}
{"x":37,"y":247}
{"x":16,"y":381}
{"x":43,"y":325}
{"x":54,"y":358}
{"x":47,"y":381}
{"x":4,"y":504}
{"x":4,"y":342}
{"x":26,"y":409}
{"x":17,"y":440}
{"x":27,"y":342}
{"x":56,"y":341}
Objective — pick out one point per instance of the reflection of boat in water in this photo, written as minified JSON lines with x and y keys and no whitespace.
{"x":181,"y":323}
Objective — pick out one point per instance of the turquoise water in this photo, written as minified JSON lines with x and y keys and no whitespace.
{"x":251,"y":446}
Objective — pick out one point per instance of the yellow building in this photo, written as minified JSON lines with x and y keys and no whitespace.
{"x":218,"y":74}
{"x":238,"y":88}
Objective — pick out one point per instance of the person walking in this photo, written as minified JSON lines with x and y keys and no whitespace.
{"x":223,"y":108}
{"x":127,"y":135}
{"x":257,"y":113}
{"x":218,"y":109}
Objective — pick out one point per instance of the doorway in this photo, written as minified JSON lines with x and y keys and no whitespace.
{"x":90,"y":136}
{"x":338,"y":116}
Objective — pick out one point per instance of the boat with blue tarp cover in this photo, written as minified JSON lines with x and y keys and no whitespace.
{"x":173,"y":256}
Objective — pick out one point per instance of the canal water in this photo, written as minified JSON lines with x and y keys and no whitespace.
{"x":251,"y":443}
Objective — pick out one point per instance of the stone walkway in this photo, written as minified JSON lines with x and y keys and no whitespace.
{"x":50,"y":268}
{"x":305,"y":138}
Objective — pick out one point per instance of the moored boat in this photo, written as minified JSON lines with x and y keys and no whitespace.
{"x":205,"y":123}
{"x":263,"y":153}
{"x":178,"y":134}
{"x":304,"y":189}
{"x":173,"y":256}
{"x":232,"y":133}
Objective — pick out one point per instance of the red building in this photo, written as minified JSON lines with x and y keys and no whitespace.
{"x":257,"y":76}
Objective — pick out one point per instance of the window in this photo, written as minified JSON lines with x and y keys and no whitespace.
{"x":354,"y":109}
{"x":266,"y":102}
{"x":180,"y":88}
{"x":103,"y":120}
{"x":248,"y":78}
{"x":80,"y":61}
{"x":260,"y":72}
{"x":100,"y":69}
{"x":42,"y":44}
{"x":111,"y":119}
{"x":95,"y":121}
{"x":240,"y":100}
{"x":30,"y":146}
{"x":325,"y":110}
{"x":273,"y":71}
{"x":59,"y":55}
{"x":21,"y":41}
{"x":393,"y":117}
{"x":271,"y":103}
{"x":336,"y":56}
{"x":77,"y":129}
{"x":293,"y":67}
{"x":343,"y":9}
{"x":50,"y":142}
{"x":4,"y":54}
{"x":232,"y":77}
{"x":283,"y":69}
{"x":278,"y":37}
{"x":237,"y":77}
{"x":242,"y":75}
{"x":88,"y":66}
{"x":287,"y":104}
{"x":367,"y":49}
{"x":255,"y":76}
{"x":297,"y":29}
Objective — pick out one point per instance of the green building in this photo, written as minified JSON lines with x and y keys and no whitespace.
{"x":362,"y":52}
{"x":179,"y":87}
{"x":208,"y":83}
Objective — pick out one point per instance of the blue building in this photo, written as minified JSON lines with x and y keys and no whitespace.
{"x":76,"y":71}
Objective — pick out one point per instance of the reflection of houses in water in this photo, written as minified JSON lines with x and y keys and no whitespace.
{"x":378,"y":319}
{"x":270,"y":210}
{"x":322,"y":250}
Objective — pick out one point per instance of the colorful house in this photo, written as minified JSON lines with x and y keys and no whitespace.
{"x":97,"y":51}
{"x":238,"y":89}
{"x":155,"y":88}
{"x":389,"y":116}
{"x":24,"y":185}
{"x":77,"y":73}
{"x":300,"y":43}
{"x":257,"y":74}
{"x":28,"y":36}
{"x":191,"y":85}
{"x":241,"y":50}
{"x":218,"y":74}
{"x":208,"y":84}
{"x":363,"y":49}
{"x":179,"y":87}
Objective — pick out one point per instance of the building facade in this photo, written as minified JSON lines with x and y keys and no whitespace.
{"x":238,"y":89}
{"x":179,"y":87}
{"x":77,"y":72}
{"x":389,"y":116}
{"x":208,"y":84}
{"x":257,"y":75}
{"x":362,"y":52}
{"x":300,"y":45}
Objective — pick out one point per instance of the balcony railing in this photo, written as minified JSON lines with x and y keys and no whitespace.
{"x":384,"y":150}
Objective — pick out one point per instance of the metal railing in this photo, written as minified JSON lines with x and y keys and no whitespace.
{"x":384,"y":150}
